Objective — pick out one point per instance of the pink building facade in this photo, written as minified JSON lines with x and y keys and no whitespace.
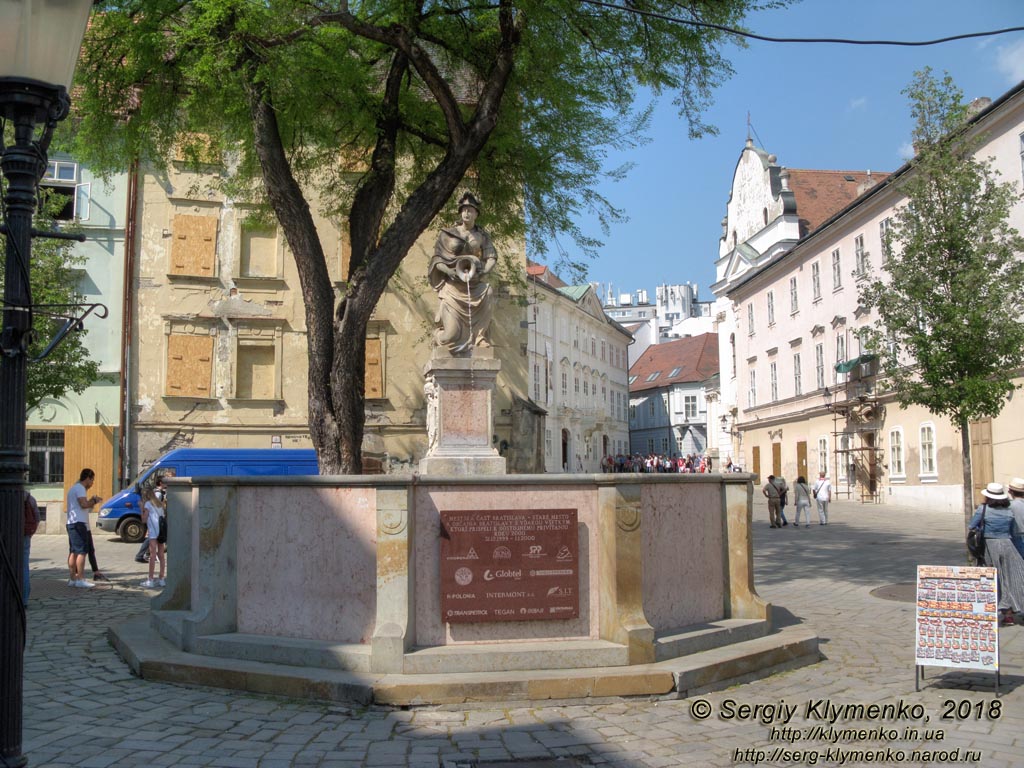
{"x":799,"y":394}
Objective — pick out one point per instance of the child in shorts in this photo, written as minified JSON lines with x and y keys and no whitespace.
{"x":152,"y":514}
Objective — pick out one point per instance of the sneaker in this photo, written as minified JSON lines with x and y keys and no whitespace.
{"x":71,"y":582}
{"x":148,"y":583}
{"x":161,"y":582}
{"x":99,"y":577}
{"x":84,"y":584}
{"x":140,"y":559}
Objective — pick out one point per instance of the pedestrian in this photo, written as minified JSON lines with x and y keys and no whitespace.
{"x":771,"y":492}
{"x":79,"y":536}
{"x":780,"y":483}
{"x":822,"y":495}
{"x":156,"y":536}
{"x":802,"y":497}
{"x":160,"y":491}
{"x":31,"y":526}
{"x":1016,"y":491}
{"x":1000,"y":553}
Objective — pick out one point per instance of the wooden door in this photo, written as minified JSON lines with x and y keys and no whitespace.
{"x":89,"y":446}
{"x":801,"y":459}
{"x":777,"y":459}
{"x":982,"y":470}
{"x":755,"y":460}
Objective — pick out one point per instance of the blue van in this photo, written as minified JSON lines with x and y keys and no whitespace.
{"x":122,"y":514}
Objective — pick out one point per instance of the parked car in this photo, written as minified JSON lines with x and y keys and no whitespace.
{"x":122,"y":512}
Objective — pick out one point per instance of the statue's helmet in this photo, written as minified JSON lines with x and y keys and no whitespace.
{"x":468,"y":200}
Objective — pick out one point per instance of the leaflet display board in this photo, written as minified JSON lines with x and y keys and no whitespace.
{"x":957,"y":617}
{"x":509,"y":565}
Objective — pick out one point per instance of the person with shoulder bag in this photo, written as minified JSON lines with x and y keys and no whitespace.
{"x":802,"y":496}
{"x":995,"y":520}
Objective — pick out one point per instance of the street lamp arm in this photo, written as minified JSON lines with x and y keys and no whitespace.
{"x":70,"y":324}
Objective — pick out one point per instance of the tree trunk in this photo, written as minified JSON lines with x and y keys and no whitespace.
{"x":968,"y":479}
{"x":293,"y":213}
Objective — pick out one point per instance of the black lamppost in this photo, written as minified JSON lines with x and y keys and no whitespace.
{"x":39,"y":45}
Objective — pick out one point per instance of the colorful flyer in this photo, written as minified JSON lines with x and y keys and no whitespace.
{"x":957,"y":617}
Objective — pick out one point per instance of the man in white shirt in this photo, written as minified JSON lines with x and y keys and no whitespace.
{"x":79,"y":535}
{"x":822,"y":493}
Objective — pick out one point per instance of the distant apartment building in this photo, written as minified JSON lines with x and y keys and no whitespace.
{"x":799,"y":393}
{"x":579,"y":366}
{"x":668,"y":402}
{"x":676,"y":313}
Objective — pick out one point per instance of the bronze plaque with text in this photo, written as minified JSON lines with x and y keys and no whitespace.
{"x":509,"y":565}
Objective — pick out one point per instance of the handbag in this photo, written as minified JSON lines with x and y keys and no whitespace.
{"x":976,"y":539}
{"x":162,"y":535}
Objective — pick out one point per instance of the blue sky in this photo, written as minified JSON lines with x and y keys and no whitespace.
{"x":814,"y":106}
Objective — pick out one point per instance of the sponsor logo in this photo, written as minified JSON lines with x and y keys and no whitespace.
{"x":530,"y":611}
{"x":502,"y":573}
{"x":504,"y":611}
{"x":478,"y":612}
{"x":563,"y":553}
{"x":464,"y":576}
{"x":460,"y":596}
{"x":536,"y":550}
{"x":560,"y":592}
{"x":502,"y":553}
{"x":471,"y":555}
{"x":560,"y":609}
{"x":549,"y":572}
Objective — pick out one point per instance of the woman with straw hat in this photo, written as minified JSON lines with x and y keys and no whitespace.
{"x":1000,"y":553}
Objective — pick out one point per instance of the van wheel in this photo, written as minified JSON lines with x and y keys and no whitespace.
{"x":132,"y":530}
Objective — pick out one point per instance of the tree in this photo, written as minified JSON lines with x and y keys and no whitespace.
{"x":949,"y":330}
{"x":68,"y":367}
{"x":521,"y":99}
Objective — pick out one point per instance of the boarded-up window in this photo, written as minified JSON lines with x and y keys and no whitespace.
{"x":194,"y":245}
{"x":374,"y":369}
{"x":259,"y":252}
{"x":256,"y":375}
{"x":189,"y":365}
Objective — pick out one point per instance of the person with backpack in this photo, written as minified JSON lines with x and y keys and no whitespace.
{"x":1000,"y":553}
{"x":780,"y":483}
{"x":31,"y":526}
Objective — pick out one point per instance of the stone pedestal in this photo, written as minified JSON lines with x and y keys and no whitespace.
{"x":460,"y":417}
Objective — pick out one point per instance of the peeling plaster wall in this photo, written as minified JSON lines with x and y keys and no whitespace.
{"x":228,"y":305}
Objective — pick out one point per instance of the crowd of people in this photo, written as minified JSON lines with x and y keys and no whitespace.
{"x":656,"y":462}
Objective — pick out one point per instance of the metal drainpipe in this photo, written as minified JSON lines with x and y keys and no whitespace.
{"x":126,"y":323}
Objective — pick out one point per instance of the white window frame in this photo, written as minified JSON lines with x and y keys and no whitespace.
{"x":929,"y":464}
{"x":823,"y":455}
{"x":837,"y":270}
{"x":690,"y":407}
{"x":897,"y":455}
{"x":798,"y":388}
{"x":773,"y":380}
{"x":816,"y":281}
{"x":860,"y":256}
{"x":771,"y":308}
{"x":750,"y":319}
{"x":752,"y":391}
{"x":819,"y":365}
{"x":794,"y":298}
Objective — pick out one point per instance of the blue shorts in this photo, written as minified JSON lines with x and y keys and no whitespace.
{"x":78,"y":538}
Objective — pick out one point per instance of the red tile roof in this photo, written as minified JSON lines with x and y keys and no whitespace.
{"x":821,"y":194}
{"x":696,"y":357}
{"x":545,"y":275}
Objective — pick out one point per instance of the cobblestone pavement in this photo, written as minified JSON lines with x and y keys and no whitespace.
{"x":83,"y":707}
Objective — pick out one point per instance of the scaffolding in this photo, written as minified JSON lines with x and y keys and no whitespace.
{"x":856,"y":429}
